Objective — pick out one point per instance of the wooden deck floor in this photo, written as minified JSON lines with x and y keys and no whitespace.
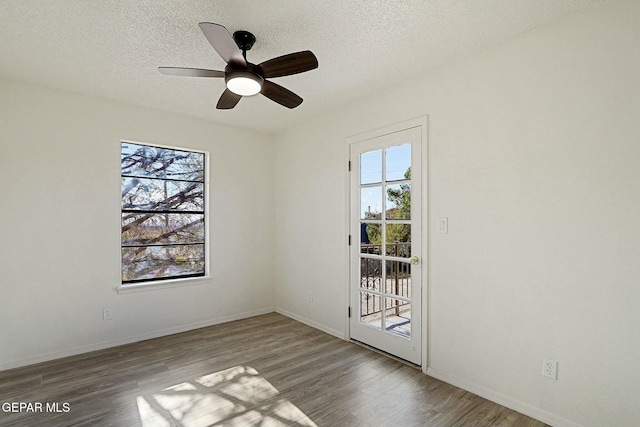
{"x":264,"y":371}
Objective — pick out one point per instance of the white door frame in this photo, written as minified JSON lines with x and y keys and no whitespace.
{"x":422,"y":122}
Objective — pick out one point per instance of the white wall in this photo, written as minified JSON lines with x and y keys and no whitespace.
{"x":534,"y":156}
{"x":60,"y":225}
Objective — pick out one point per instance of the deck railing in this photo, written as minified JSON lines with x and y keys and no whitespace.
{"x":398,"y":279}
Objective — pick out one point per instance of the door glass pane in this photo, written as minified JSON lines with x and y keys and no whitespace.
{"x":398,"y":162}
{"x":371,"y":167}
{"x":398,"y":279}
{"x":398,"y":240}
{"x":398,"y":201}
{"x":398,"y":317}
{"x":371,"y":202}
{"x":371,"y":238}
{"x":370,"y":274}
{"x":370,"y":310}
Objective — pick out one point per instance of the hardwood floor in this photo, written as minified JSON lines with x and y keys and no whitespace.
{"x":264,"y":371}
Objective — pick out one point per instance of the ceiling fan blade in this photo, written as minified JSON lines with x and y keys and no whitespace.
{"x":286,"y":65}
{"x":280,"y":95}
{"x":190,"y":72}
{"x":228,"y":100}
{"x":223,"y":43}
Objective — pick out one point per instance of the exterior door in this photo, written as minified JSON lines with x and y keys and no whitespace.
{"x":385,"y":252}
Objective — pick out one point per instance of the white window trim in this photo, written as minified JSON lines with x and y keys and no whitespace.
{"x":154,"y":285}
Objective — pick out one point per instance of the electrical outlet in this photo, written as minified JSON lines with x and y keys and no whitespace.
{"x":310,"y":296}
{"x":106,"y":314}
{"x":550,"y":368}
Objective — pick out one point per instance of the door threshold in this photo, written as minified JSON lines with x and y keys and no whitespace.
{"x":389,"y":355}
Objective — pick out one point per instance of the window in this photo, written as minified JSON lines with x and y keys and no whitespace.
{"x":163,"y":215}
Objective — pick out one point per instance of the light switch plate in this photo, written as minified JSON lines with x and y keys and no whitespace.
{"x":443,"y":225}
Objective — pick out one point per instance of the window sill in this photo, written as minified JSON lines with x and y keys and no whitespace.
{"x":166,"y":284}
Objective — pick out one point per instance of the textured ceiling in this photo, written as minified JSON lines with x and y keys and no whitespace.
{"x":112,"y":48}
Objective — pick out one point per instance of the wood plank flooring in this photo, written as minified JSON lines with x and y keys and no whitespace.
{"x":263,"y":371}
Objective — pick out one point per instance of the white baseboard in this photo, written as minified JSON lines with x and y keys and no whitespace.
{"x":311,"y":323}
{"x":516,"y":405}
{"x":128,"y":340}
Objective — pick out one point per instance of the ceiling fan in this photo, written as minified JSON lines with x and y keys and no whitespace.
{"x":242,"y":77}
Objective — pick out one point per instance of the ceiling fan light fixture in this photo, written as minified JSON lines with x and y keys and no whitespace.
{"x":244,"y":83}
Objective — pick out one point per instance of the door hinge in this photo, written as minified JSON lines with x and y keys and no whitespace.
{"x":349,"y":312}
{"x":349,"y":239}
{"x":349,"y":165}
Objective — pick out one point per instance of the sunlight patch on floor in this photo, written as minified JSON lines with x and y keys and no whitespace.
{"x":237,"y":396}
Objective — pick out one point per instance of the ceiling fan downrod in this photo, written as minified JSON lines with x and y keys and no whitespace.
{"x":244,"y":40}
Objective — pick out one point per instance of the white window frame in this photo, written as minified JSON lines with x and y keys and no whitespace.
{"x":124,"y":288}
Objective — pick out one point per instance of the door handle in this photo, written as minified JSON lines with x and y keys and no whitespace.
{"x":414,"y":260}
